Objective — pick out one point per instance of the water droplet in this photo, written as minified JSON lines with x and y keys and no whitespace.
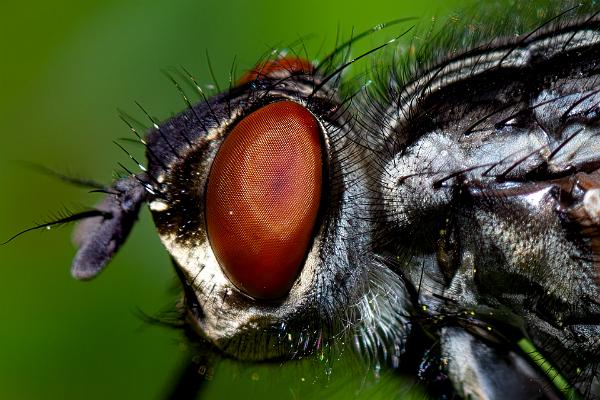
{"x":158,"y":206}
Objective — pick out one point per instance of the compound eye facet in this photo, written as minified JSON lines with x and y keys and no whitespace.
{"x":263,"y":196}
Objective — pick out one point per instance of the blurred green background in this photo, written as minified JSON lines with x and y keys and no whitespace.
{"x":65,"y":68}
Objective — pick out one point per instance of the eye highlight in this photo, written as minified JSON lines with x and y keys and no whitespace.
{"x":262,"y":198}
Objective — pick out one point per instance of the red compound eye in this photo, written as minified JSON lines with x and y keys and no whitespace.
{"x":271,"y":67}
{"x":263,"y":196}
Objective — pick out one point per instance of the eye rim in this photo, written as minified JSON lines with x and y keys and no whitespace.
{"x":319,"y":214}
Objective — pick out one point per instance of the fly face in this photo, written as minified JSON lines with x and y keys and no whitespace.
{"x":267,"y":255}
{"x":258,"y":195}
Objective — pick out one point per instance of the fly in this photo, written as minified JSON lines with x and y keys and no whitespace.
{"x":443,"y":221}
